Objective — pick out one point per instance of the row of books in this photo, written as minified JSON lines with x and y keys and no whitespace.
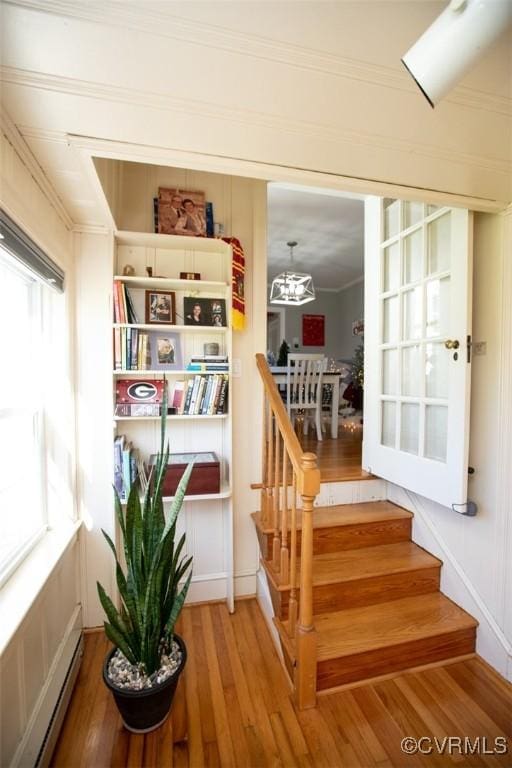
{"x":131,"y":350}
{"x":205,"y":363}
{"x":124,"y":311}
{"x":128,"y":467}
{"x":202,"y":395}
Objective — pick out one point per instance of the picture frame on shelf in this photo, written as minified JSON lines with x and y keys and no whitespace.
{"x":165,"y":351}
{"x":204,"y":312}
{"x":181,"y":212}
{"x":160,"y":307}
{"x":190,"y":275}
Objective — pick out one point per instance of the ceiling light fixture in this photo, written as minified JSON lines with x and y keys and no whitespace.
{"x":452,"y":44}
{"x":290,"y":287}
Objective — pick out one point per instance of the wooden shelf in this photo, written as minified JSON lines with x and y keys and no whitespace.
{"x":224,"y":493}
{"x":177,"y":416}
{"x":181,"y":328}
{"x":183,"y":372}
{"x":172,"y":283}
{"x":172,"y":242}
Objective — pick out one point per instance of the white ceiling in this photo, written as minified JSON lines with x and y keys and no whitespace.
{"x":316,"y":86}
{"x":328,"y":229}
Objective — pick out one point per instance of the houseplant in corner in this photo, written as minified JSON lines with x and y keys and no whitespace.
{"x":142,"y":670}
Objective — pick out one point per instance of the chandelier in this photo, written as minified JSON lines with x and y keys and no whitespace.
{"x":290,"y":287}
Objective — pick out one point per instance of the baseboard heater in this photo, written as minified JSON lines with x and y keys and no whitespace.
{"x":40,"y":737}
{"x":59,"y":713}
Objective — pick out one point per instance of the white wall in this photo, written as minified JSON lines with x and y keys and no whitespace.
{"x":40,"y":602}
{"x":476,"y":550}
{"x":240,"y":204}
{"x":340,"y":309}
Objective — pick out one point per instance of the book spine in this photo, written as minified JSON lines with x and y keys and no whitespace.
{"x":199,"y":396}
{"x":118,"y":465}
{"x":132,"y":316}
{"x":177,"y":395}
{"x":117,"y":349}
{"x":134,"y":348}
{"x":190,"y":387}
{"x":197,"y":381}
{"x":207,"y":394}
{"x":222,"y":404}
{"x":122,"y":303}
{"x":126,"y":471}
{"x":217,"y":395}
{"x":117,"y":314}
{"x":211,"y":399}
{"x":128,"y":348}
{"x":123,"y":348}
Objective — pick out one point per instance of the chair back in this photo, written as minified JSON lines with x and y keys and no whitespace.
{"x":304,"y":381}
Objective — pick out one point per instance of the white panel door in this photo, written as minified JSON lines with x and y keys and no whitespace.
{"x":418,"y":264}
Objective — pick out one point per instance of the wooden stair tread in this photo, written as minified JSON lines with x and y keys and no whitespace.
{"x":347,"y":514}
{"x":359,"y":630}
{"x":353,"y":564}
{"x":367,"y":562}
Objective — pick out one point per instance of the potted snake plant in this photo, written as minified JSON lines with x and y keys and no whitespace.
{"x":143,"y":668}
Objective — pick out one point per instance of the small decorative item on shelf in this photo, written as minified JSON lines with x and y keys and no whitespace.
{"x":128,"y":270}
{"x":205,"y":477}
{"x":165,"y":351}
{"x":181,"y":212}
{"x":211,"y":348}
{"x":160,"y":307}
{"x":139,"y":397}
{"x":206,"y":312}
{"x":190,"y":276}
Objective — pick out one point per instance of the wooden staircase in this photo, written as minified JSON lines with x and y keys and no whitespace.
{"x":377,"y":607}
{"x":353,"y":597}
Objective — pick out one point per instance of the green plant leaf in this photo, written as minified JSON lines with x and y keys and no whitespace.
{"x":176,"y":608}
{"x":118,"y":640}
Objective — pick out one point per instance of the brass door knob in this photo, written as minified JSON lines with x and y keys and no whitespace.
{"x":452,"y":344}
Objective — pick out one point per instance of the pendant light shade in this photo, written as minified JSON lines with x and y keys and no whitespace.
{"x":290,"y":287}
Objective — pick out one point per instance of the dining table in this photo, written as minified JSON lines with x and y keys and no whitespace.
{"x":279,"y":374}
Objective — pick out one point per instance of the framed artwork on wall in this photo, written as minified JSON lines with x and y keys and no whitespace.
{"x":313,"y":330}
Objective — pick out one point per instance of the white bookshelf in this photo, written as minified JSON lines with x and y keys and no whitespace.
{"x":206,"y":519}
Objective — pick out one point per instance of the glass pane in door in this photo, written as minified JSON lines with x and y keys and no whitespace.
{"x":410,"y":427}
{"x":439,"y":244}
{"x":388,"y":423}
{"x":436,"y":431}
{"x":412,"y":366}
{"x":413,"y":257}
{"x":438,"y":307}
{"x":436,"y":371}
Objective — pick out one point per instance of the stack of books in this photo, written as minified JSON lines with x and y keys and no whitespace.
{"x":124,"y":311}
{"x":201,"y":396}
{"x":207,"y":363}
{"x":128,"y":467}
{"x":131,"y":349}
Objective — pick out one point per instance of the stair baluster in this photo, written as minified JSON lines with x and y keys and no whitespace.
{"x":284,"y":522}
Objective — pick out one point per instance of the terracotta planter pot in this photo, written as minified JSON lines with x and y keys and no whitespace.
{"x":145,"y":710}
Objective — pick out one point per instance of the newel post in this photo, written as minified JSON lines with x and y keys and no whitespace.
{"x":305,"y":636}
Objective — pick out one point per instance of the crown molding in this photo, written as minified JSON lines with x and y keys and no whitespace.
{"x":198,"y":109}
{"x":351,"y":284}
{"x":91,"y":229}
{"x":15,"y":138}
{"x":163,"y":24}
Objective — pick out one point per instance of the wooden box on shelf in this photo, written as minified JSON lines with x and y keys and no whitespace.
{"x":205,"y":477}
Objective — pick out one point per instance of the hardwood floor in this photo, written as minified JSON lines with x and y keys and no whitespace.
{"x":240,"y":711}
{"x":338,"y":459}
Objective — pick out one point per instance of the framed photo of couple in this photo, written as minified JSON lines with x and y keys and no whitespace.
{"x":181,"y":212}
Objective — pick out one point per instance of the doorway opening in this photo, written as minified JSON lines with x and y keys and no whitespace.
{"x":328,"y":229}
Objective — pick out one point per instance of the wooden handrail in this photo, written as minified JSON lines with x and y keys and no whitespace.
{"x":281,"y":448}
{"x":308,"y":480}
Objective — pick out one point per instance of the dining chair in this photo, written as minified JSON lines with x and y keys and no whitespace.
{"x":304,"y":388}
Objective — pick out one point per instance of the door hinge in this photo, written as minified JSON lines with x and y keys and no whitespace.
{"x":468,"y":347}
